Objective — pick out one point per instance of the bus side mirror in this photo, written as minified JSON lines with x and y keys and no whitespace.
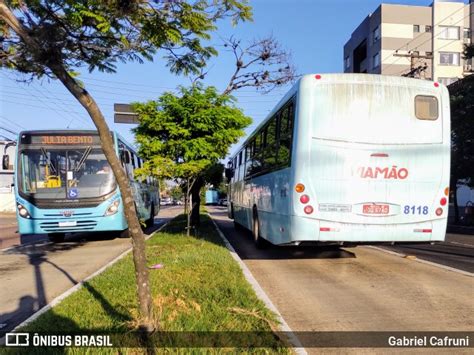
{"x":6,"y":162}
{"x":229,"y":173}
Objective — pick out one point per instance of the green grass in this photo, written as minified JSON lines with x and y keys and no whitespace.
{"x":200,"y":289}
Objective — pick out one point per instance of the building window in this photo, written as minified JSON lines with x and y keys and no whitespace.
{"x":416,"y":28}
{"x":447,"y":81}
{"x":467,"y":33}
{"x":427,"y":28}
{"x":347,"y":62}
{"x":376,"y":61}
{"x":449,"y":32}
{"x":449,"y":58}
{"x":376,"y":34}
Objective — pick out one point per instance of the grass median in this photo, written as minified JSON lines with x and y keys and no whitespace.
{"x":200,"y":297}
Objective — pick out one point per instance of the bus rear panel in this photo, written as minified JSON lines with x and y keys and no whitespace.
{"x":369,"y":163}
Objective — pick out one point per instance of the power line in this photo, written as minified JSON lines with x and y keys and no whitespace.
{"x":45,"y":102}
{"x":420,"y":34}
{"x":448,"y":41}
{"x":10,"y":121}
{"x":9,"y":131}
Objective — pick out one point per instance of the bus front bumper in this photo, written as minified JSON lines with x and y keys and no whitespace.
{"x":115,"y":222}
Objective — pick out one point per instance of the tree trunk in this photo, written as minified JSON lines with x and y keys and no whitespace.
{"x":86,"y":100}
{"x":196,"y":197}
{"x":138,"y":240}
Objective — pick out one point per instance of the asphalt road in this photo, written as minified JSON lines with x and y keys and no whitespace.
{"x":457,"y":251}
{"x":357,"y":289}
{"x":33,"y":271}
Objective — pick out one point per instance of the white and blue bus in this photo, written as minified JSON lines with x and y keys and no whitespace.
{"x":64,"y":184}
{"x":347,"y":159}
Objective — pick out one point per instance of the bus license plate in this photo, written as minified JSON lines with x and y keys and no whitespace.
{"x":68,"y":224}
{"x":375,"y":209}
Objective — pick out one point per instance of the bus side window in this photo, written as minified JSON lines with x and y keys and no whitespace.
{"x":271,"y":145}
{"x":234,"y":166}
{"x":286,"y":135}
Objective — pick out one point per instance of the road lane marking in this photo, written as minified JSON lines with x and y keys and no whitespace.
{"x":441,"y":266}
{"x":298,"y":347}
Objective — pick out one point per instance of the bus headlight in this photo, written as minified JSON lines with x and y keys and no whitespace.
{"x":22,"y":211}
{"x":113,"y":208}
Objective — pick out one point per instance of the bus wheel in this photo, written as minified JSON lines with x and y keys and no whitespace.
{"x":260,"y":243}
{"x":151,"y":221}
{"x":57,"y":237}
{"x":124,"y":234}
{"x":237,"y":226}
{"x":230,"y":211}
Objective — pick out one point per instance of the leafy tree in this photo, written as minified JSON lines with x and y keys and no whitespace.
{"x":184,"y":135}
{"x":462,"y":136}
{"x":177,"y":192}
{"x":53,"y":37}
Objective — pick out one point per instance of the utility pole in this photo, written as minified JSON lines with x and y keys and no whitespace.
{"x":414,"y":71}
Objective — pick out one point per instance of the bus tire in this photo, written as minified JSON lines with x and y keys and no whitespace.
{"x":260,"y":243}
{"x":56,"y":237}
{"x":237,"y":226}
{"x":124,"y":234}
{"x":151,"y":221}
{"x":230,"y":211}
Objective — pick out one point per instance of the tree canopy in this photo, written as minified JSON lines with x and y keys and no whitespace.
{"x":182,"y":135}
{"x":100,"y":33}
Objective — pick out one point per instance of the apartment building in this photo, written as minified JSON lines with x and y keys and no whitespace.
{"x":424,"y":42}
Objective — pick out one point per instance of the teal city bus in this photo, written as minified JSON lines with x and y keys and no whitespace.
{"x":347,"y":159}
{"x":64,"y":184}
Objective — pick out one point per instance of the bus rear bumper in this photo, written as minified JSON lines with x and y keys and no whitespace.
{"x":313,"y":230}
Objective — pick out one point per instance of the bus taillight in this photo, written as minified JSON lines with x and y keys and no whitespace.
{"x":304,"y":199}
{"x":439,"y":211}
{"x":446,"y":191}
{"x":308,"y":209}
{"x":299,"y":188}
{"x":443,"y":201}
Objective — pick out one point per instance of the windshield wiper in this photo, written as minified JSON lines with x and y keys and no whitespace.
{"x":83,"y":159}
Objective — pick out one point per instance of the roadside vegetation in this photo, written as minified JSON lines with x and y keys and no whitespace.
{"x":199,"y":288}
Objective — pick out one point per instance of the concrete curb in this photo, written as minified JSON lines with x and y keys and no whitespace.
{"x":76,"y":287}
{"x":297,"y":346}
{"x":440,"y":266}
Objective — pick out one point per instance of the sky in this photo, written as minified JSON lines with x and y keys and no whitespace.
{"x":314,"y":31}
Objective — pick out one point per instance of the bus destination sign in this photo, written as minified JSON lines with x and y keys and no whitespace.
{"x":70,"y":139}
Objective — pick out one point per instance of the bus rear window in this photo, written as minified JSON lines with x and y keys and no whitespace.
{"x":426,"y":107}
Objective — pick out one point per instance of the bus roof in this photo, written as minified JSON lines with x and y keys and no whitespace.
{"x":307,"y":81}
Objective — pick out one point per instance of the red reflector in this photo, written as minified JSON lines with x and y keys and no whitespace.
{"x":380,"y":155}
{"x":443,"y":201}
{"x":327,"y":229}
{"x":304,"y":199}
{"x":436,"y":85}
{"x":308,"y":209}
{"x":439,"y":211}
{"x":317,"y":76}
{"x":423,"y":230}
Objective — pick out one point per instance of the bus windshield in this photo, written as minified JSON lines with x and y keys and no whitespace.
{"x":72,"y":173}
